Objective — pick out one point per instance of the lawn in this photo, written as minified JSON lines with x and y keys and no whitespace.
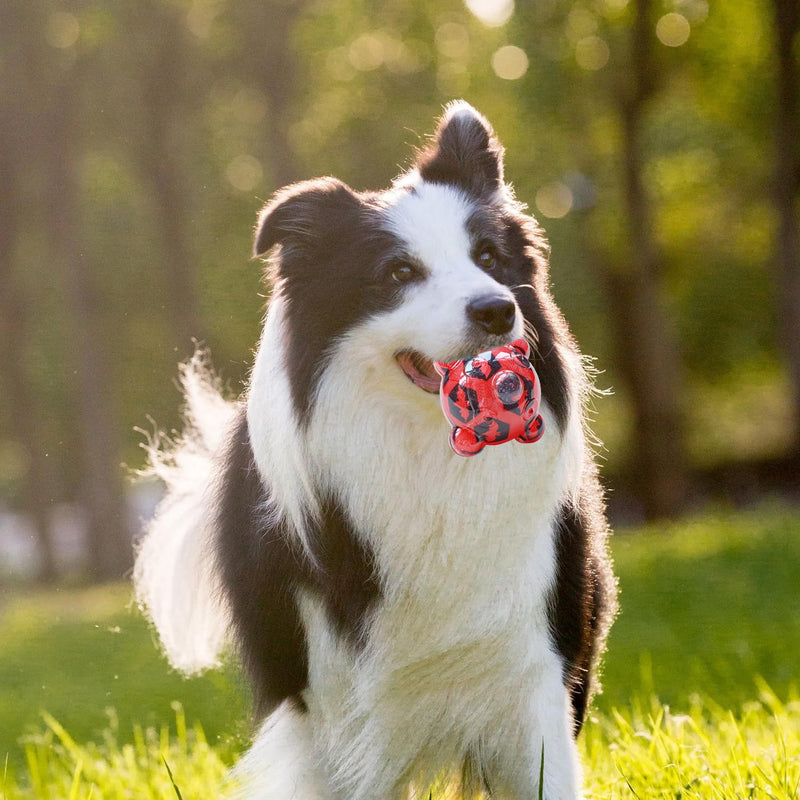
{"x":700,"y":681}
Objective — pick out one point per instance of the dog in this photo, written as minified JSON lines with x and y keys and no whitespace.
{"x":402,"y":613}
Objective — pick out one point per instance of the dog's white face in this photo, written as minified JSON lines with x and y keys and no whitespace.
{"x":450,"y":305}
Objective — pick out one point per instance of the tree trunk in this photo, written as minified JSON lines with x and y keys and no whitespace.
{"x":165,"y":92}
{"x":272,"y":63}
{"x":645,"y":339}
{"x":277,"y":77}
{"x":110,"y":550}
{"x":786,"y":186}
{"x":24,"y":411}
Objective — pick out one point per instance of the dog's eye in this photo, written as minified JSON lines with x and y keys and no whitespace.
{"x":403,"y":272}
{"x":486,"y":258}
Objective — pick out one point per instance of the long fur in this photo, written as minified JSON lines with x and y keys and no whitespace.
{"x":401,"y":612}
{"x":173,"y":574}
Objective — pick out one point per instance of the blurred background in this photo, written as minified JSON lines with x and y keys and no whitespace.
{"x":657,"y":141}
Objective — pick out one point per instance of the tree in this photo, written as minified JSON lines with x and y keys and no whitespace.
{"x":24,"y":407}
{"x":645,"y":340}
{"x":167,"y":102}
{"x":269,"y":61}
{"x":110,"y":552}
{"x":786,"y":187}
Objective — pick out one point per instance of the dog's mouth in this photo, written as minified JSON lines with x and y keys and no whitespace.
{"x":419,"y":370}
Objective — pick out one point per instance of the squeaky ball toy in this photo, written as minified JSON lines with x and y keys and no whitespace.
{"x":491,"y":398}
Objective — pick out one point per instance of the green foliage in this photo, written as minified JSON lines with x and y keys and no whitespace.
{"x":184,"y":126}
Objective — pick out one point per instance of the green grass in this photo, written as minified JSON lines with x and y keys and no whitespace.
{"x":156,"y":763}
{"x":709,"y":753}
{"x":705,"y":753}
{"x":709,"y":605}
{"x":76,"y":653}
{"x":700,"y":681}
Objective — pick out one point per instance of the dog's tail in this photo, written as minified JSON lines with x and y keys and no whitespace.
{"x":174,"y":572}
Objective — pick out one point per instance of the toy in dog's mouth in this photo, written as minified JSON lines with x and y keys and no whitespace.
{"x":419,"y":370}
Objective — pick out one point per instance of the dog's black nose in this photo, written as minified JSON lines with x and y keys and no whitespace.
{"x":493,"y":313}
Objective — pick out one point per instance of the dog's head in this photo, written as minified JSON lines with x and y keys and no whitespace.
{"x":441,"y":265}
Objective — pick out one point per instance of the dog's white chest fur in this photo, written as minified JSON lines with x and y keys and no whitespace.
{"x":465,"y":553}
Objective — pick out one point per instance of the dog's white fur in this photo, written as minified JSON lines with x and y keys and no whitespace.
{"x":460,"y":659}
{"x":173,"y":575}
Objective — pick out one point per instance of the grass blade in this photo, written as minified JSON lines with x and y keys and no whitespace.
{"x":541,"y":774}
{"x":171,"y":779}
{"x":76,"y":781}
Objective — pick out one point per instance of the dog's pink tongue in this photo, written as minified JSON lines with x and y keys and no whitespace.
{"x":420,"y":371}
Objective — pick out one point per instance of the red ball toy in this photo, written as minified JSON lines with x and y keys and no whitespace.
{"x":491,"y":398}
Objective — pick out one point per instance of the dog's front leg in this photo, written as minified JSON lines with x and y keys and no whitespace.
{"x":542,"y":747}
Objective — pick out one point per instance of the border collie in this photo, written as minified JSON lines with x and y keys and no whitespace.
{"x":402,"y":612}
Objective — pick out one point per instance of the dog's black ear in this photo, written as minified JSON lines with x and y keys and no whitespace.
{"x":465,"y":152}
{"x":302,"y":211}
